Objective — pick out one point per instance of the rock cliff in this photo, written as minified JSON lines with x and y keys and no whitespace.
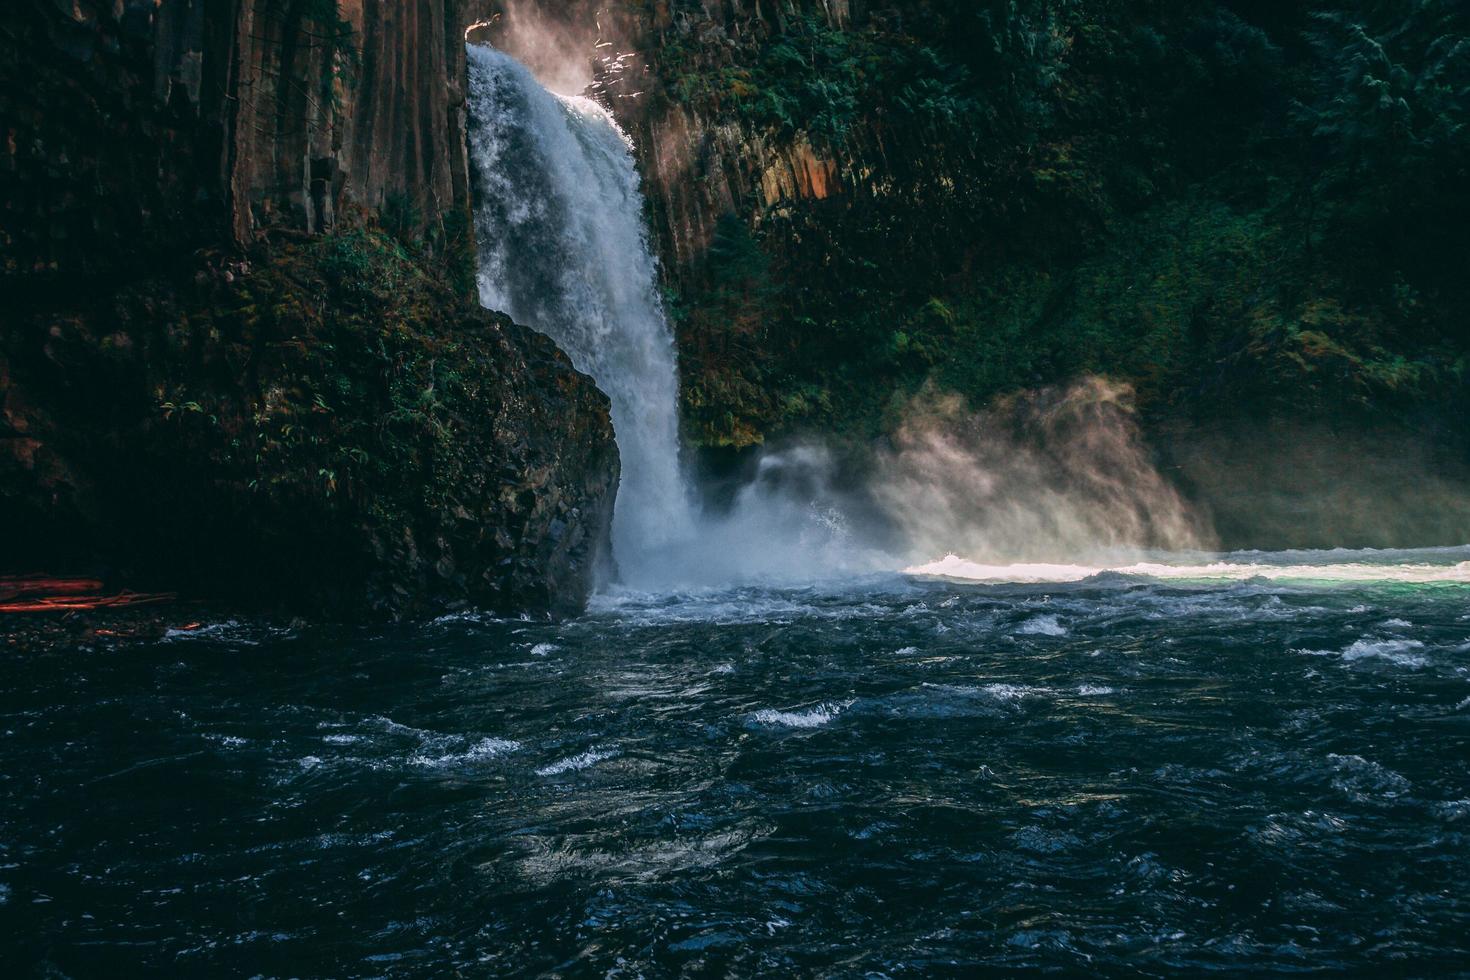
{"x":1252,"y":213}
{"x":238,"y":352}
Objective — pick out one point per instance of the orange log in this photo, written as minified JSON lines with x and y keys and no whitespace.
{"x":83,"y":603}
{"x":16,"y":586}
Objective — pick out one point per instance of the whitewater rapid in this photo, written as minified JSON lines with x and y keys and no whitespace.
{"x":1408,"y":566}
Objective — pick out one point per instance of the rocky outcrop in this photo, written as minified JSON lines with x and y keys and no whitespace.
{"x":238,"y":356}
{"x":700,"y":165}
{"x":857,"y":199}
{"x":317,"y":423}
{"x":156,"y":123}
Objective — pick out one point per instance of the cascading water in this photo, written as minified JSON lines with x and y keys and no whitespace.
{"x":562,"y":248}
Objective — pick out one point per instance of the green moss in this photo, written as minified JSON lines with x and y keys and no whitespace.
{"x":819,"y":80}
{"x":1238,"y":210}
{"x":365,"y":383}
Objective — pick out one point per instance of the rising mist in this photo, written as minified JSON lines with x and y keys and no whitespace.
{"x":1047,"y":475}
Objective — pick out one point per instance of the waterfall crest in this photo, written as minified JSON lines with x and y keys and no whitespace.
{"x":562,"y":248}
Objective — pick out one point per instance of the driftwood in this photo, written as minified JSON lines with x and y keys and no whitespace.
{"x":41,"y":593}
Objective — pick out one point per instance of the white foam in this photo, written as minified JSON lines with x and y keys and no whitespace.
{"x":229,"y":631}
{"x":1401,"y":652}
{"x":815,"y":717}
{"x":1397,"y":651}
{"x":484,"y":749}
{"x":1356,"y":566}
{"x":955,"y":567}
{"x":1361,"y":779}
{"x":1016,"y":692}
{"x":1042,"y":626}
{"x":577,"y":763}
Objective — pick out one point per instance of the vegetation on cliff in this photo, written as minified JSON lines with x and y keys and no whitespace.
{"x":1239,"y":207}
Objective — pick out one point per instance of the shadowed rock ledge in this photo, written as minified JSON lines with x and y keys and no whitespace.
{"x":239,"y":354}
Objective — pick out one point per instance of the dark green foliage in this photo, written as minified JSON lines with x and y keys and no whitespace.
{"x":449,"y":247}
{"x":821,"y":81}
{"x":457,"y":251}
{"x":1238,"y":206}
{"x":335,"y":35}
{"x":401,"y":217}
{"x":1394,"y":104}
{"x":1387,"y":120}
{"x":724,"y":338}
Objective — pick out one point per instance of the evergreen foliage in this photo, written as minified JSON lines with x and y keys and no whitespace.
{"x":1232,"y":204}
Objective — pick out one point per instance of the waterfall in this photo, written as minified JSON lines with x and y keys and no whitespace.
{"x":563,"y":248}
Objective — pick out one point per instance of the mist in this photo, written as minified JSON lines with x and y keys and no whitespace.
{"x":1271,"y":484}
{"x":1048,"y":475}
{"x":792,"y":521}
{"x":1060,"y":483}
{"x":1058,"y":474}
{"x":559,"y":50}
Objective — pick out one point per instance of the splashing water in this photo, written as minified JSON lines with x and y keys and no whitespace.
{"x":562,"y":248}
{"x":1420,"y":566}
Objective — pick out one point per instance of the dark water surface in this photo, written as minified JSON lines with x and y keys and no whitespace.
{"x":898,"y":779}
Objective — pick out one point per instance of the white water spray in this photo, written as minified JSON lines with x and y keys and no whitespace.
{"x":1421,"y":566}
{"x":562,"y":248}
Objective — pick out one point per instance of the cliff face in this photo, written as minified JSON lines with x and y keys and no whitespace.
{"x":141,"y":125}
{"x":1255,"y":214}
{"x":238,"y":355}
{"x":360,"y":106}
{"x":700,"y":158}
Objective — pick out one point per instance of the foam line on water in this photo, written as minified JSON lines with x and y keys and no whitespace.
{"x":1357,"y":566}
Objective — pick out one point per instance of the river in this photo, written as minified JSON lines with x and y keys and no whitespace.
{"x":882,"y":776}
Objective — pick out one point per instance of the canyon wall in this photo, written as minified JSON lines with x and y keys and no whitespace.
{"x":157,"y":124}
{"x":1253,"y":214}
{"x":239,"y":355}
